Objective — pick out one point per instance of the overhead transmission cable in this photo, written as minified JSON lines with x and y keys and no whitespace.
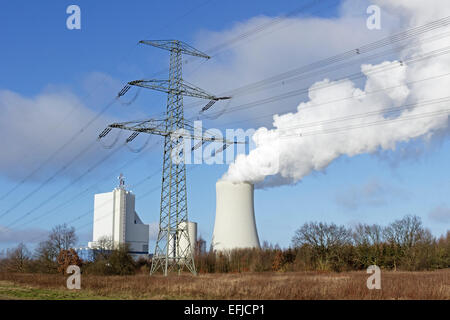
{"x":215,"y":115}
{"x":336,"y":131}
{"x":383,"y":111}
{"x":215,"y":50}
{"x":57,"y":151}
{"x":312,"y":73}
{"x":90,"y":211}
{"x":67,"y":116}
{"x":90,"y":169}
{"x":356,"y":96}
{"x":144,"y":195}
{"x":401,"y":36}
{"x":353,"y":76}
{"x":53,"y":196}
{"x":370,"y":124}
{"x":66,"y":202}
{"x":48,"y":180}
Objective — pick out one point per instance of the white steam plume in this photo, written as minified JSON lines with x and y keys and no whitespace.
{"x":282,"y":156}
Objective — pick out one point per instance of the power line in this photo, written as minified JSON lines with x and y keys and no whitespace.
{"x":65,"y":203}
{"x":366,"y":125}
{"x":214,"y":51}
{"x":363,"y":49}
{"x":378,"y":55}
{"x":43,"y":184}
{"x":264,"y":101}
{"x":146,"y":194}
{"x":98,"y":219}
{"x":57,"y":151}
{"x":315,"y":105}
{"x":358,"y":53}
{"x":51,"y":157}
{"x":296,"y":92}
{"x":311,"y":133}
{"x":43,"y":203}
{"x":105,"y":202}
{"x":405,"y":35}
{"x":385,"y":111}
{"x":220,"y":47}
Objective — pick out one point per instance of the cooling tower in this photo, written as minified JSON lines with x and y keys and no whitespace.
{"x":192,"y":229}
{"x":235,"y":225}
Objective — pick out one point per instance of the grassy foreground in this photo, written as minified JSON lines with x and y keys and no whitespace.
{"x":290,"y":285}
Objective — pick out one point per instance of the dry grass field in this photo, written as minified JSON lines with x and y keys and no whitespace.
{"x":289,"y":285}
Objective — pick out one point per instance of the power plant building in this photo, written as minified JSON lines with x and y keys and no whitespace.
{"x":235,"y":225}
{"x":117,"y":223}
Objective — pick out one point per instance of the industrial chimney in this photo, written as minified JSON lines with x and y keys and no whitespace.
{"x":235,"y":225}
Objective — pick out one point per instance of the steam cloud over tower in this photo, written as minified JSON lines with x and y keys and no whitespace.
{"x":235,"y":225}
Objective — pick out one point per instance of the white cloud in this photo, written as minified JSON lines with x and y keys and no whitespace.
{"x":294,"y":42}
{"x":304,"y":40}
{"x":33,"y":128}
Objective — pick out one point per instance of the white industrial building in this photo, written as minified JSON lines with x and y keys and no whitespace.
{"x":235,"y":225}
{"x":116,"y":221}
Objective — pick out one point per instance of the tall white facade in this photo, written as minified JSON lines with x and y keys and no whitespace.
{"x":235,"y":225}
{"x":116,"y":220}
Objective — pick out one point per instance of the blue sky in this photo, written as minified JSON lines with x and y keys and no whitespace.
{"x":40,"y":56}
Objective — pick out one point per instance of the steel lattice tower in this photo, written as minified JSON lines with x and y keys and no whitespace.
{"x":173,"y":227}
{"x":173,"y":209}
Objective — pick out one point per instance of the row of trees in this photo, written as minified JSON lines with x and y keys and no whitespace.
{"x":56,"y":253}
{"x":49,"y":256}
{"x":404,"y":244}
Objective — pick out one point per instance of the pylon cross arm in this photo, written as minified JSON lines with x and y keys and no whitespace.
{"x":182,"y":88}
{"x":175,"y":45}
{"x":156,"y":127}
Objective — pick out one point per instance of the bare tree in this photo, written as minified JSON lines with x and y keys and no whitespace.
{"x":406,"y":232}
{"x":62,"y":237}
{"x":368,"y":242}
{"x":321,"y":235}
{"x":365,"y":234}
{"x":103,"y":248}
{"x":404,"y":236}
{"x":18,"y":258}
{"x":328,"y":242}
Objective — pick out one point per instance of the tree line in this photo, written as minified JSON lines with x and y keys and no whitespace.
{"x":316,"y":246}
{"x":56,"y":253}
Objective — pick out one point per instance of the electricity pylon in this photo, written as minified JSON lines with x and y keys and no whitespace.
{"x":174,"y":128}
